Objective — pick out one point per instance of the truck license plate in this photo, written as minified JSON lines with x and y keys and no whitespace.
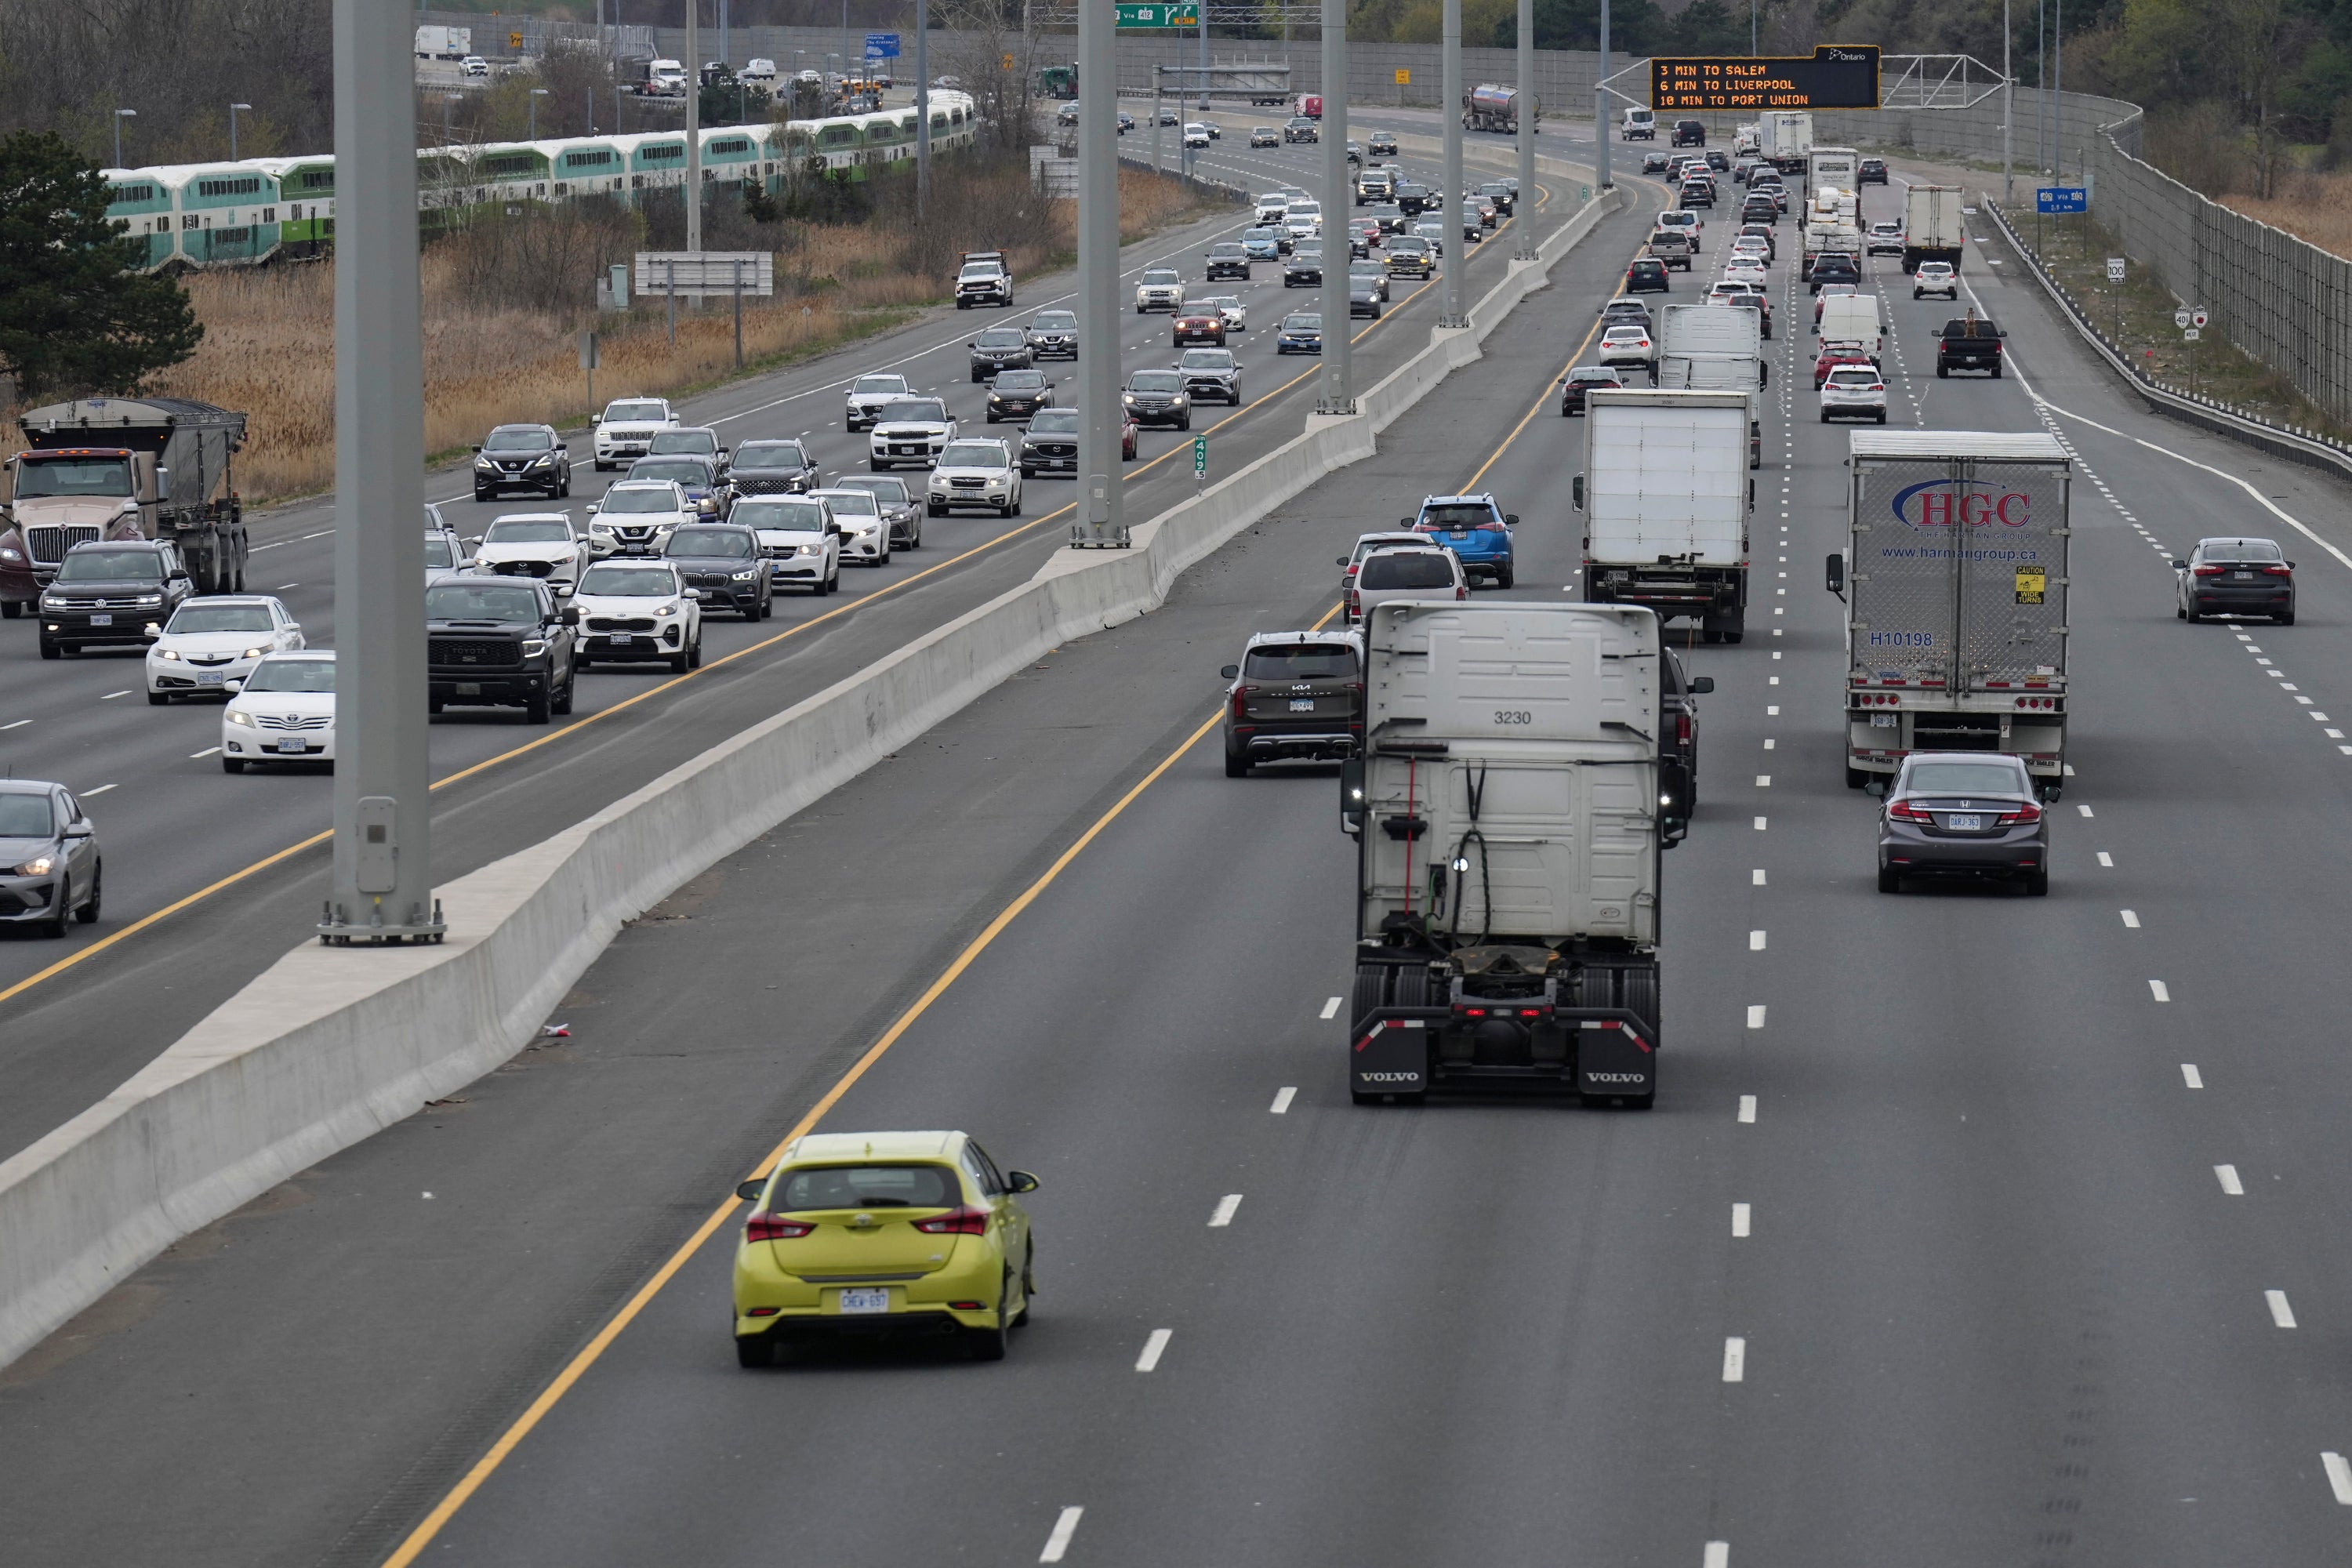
{"x":874,"y":1300}
{"x":1964,"y":824}
{"x":469,"y":688}
{"x":1883,"y":720}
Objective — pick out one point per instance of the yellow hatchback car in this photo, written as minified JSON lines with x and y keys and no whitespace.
{"x":877,"y":1234}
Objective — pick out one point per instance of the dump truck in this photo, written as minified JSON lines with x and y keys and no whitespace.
{"x":124,"y":468}
{"x":1509,"y":816}
{"x":1954,"y":578}
{"x":1666,"y":499}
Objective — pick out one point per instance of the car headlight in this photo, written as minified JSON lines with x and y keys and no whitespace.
{"x":50,"y":603}
{"x":604,"y":528}
{"x":673,"y":608}
{"x":533,"y":646}
{"x":40,"y":866}
{"x":166,"y":653}
{"x":239,"y":716}
{"x":253,"y":653}
{"x":484,"y":463}
{"x":1127,"y":397}
{"x":810,"y":549}
{"x":7,"y":555}
{"x":542,"y":459}
{"x":150,"y":598}
{"x":745,"y":576}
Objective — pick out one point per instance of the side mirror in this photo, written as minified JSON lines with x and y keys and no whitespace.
{"x":595,"y":419}
{"x":1576,"y":492}
{"x":477,"y":447}
{"x":750,"y":1191}
{"x":1352,"y":795}
{"x":1019,"y":1180}
{"x":1510,"y":520}
{"x":1342,"y":561}
{"x":570,"y":616}
{"x":232,"y":686}
{"x":1875,"y":789}
{"x":154,"y":631}
{"x":2183,"y":565}
{"x":695,"y":594}
{"x":1837,"y":574}
{"x":1700,"y":685}
{"x":79,"y":829}
{"x":475,"y":540}
{"x":1231,"y":672}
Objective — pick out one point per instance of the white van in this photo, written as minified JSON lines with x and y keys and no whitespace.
{"x":1640,"y":125}
{"x":1853,"y":319}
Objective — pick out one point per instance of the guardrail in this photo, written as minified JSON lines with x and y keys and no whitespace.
{"x":2208,"y":413}
{"x":332,"y":1044}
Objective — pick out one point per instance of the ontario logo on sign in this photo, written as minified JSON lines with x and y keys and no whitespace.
{"x":1938,"y":504}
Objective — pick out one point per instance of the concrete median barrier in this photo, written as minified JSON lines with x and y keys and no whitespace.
{"x":329,"y":1046}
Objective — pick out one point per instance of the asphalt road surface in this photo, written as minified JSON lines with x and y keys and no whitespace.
{"x":1969,"y":1227}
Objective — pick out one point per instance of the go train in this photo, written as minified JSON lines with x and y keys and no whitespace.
{"x":237,"y":214}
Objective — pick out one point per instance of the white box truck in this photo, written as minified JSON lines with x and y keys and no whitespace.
{"x":1666,"y":498}
{"x":1932,"y":227}
{"x":1508,"y":826}
{"x":1783,"y":138}
{"x":443,"y":43}
{"x":1853,"y":319}
{"x":1954,"y":577}
{"x":1717,"y":348}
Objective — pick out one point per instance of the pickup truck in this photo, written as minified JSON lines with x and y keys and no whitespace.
{"x":1672,"y":248}
{"x":1968,"y":343}
{"x":984,"y":279}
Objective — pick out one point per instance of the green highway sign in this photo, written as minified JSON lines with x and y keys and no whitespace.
{"x":1160,"y":14}
{"x":1200,"y":457}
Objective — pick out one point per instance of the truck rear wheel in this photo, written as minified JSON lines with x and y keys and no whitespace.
{"x":1371,"y":992}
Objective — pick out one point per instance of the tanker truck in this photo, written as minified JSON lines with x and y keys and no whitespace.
{"x":1487,"y":107}
{"x":122,"y":467}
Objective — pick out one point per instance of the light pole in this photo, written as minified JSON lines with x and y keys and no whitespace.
{"x":1453,"y":311}
{"x":1601,"y":111}
{"x":1338,"y":209}
{"x":694,"y":129}
{"x":2008,"y":117}
{"x":381,"y":887}
{"x":536,"y":94}
{"x":1529,"y":108}
{"x":232,"y":127}
{"x":119,"y":116}
{"x":1101,"y":506}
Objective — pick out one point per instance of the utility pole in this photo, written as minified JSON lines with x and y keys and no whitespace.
{"x":922,"y":108}
{"x":119,"y":116}
{"x":2008,"y":117}
{"x":1601,"y":111}
{"x":1339,"y":207}
{"x":381,"y":887}
{"x":2058,"y":85}
{"x":694,"y":129}
{"x":1101,"y":508}
{"x":232,"y":127}
{"x":1452,"y":311}
{"x":1204,"y":67}
{"x":1523,"y":205}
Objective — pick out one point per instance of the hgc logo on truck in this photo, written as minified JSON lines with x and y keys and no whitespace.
{"x":1933,"y":505}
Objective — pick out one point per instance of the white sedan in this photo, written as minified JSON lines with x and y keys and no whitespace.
{"x":1745,"y":270}
{"x":1853,"y":392}
{"x":637,"y":516}
{"x":534,"y":545}
{"x":633,"y":611}
{"x":1621,"y":346}
{"x":283,"y":713}
{"x":209,"y":642}
{"x":865,"y":531}
{"x":978,"y":474}
{"x":798,"y":538}
{"x":1230,"y":307}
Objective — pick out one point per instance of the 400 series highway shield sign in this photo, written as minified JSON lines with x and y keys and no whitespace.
{"x":1836,"y":75}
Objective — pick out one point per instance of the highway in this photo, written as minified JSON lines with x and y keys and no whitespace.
{"x":172,"y":825}
{"x":1969,"y":1227}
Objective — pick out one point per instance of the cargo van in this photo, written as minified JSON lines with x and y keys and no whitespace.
{"x":1853,"y":319}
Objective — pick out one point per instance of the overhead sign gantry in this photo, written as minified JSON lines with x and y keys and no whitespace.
{"x":1836,"y":75}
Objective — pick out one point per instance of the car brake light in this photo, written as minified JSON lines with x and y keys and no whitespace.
{"x":2280,"y":571}
{"x":1681,"y":729}
{"x":1241,"y":700}
{"x":1493,"y":525}
{"x":1461,"y":593}
{"x":1355,"y":604}
{"x":1904,"y":811}
{"x":2026,"y":812}
{"x":2210,"y":571}
{"x":772,"y":1227}
{"x":964,"y":1221}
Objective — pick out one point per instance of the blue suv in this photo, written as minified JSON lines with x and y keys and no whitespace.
{"x":1475,"y":529}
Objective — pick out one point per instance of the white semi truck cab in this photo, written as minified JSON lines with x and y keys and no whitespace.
{"x":1508,"y":824}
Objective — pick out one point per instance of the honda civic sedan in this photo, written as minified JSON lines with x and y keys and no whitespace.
{"x":1964,"y":813}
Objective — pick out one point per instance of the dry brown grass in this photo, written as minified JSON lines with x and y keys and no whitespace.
{"x":2312,"y":206}
{"x":268,"y":347}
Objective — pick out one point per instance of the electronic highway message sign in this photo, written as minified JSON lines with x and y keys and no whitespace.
{"x":1836,"y":75}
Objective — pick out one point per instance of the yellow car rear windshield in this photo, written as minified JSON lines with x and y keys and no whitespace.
{"x":866,"y":1187}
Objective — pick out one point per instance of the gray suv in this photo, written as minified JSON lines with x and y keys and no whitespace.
{"x":1294,"y":695}
{"x":50,"y":866}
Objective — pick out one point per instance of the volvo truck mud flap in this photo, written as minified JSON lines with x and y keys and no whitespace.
{"x":1615,"y":1058}
{"x":1390,"y":1050}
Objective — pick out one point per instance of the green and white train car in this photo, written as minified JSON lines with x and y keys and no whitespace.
{"x":236,"y":214}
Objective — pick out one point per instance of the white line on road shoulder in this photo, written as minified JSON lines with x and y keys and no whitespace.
{"x":99,"y":790}
{"x":2190,"y":1075}
{"x":1331,"y":1008}
{"x":2340,"y":1477}
{"x":1735,"y":1360}
{"x":1059,"y":1542}
{"x":2131,"y":918}
{"x":112,"y":695}
{"x":1153,"y":1348}
{"x":2280,"y":1313}
{"x":2228,"y":1174}
{"x":1225,"y":1208}
{"x":1747,"y":1108}
{"x":1719,"y":1556}
{"x":2157,"y":989}
{"x":16,"y":724}
{"x":1282,"y":1100}
{"x":1739,"y":1219}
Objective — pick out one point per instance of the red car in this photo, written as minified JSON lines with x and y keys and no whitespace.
{"x":1833,"y":355}
{"x":1196,"y":325}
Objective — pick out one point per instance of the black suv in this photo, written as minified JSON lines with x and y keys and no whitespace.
{"x":111,"y":594}
{"x":498,"y":642}
{"x":1690,"y":133}
{"x":1831,"y":266}
{"x":722,"y":562}
{"x":1870,"y":172}
{"x":1054,"y":335}
{"x":772,"y":468}
{"x":1305,"y":267}
{"x":1001,"y":348}
{"x":522,"y":458}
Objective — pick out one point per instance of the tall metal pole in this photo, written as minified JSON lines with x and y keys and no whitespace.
{"x":1101,"y":511}
{"x":381,"y":886}
{"x":1204,"y":63}
{"x":693,"y":128}
{"x":923,"y":107}
{"x":2058,"y":89}
{"x":2040,"y":91}
{"x":232,"y":128}
{"x":2008,"y":117}
{"x":1339,"y":214}
{"x":1452,"y":311}
{"x":1600,"y":110}
{"x":1523,"y":208}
